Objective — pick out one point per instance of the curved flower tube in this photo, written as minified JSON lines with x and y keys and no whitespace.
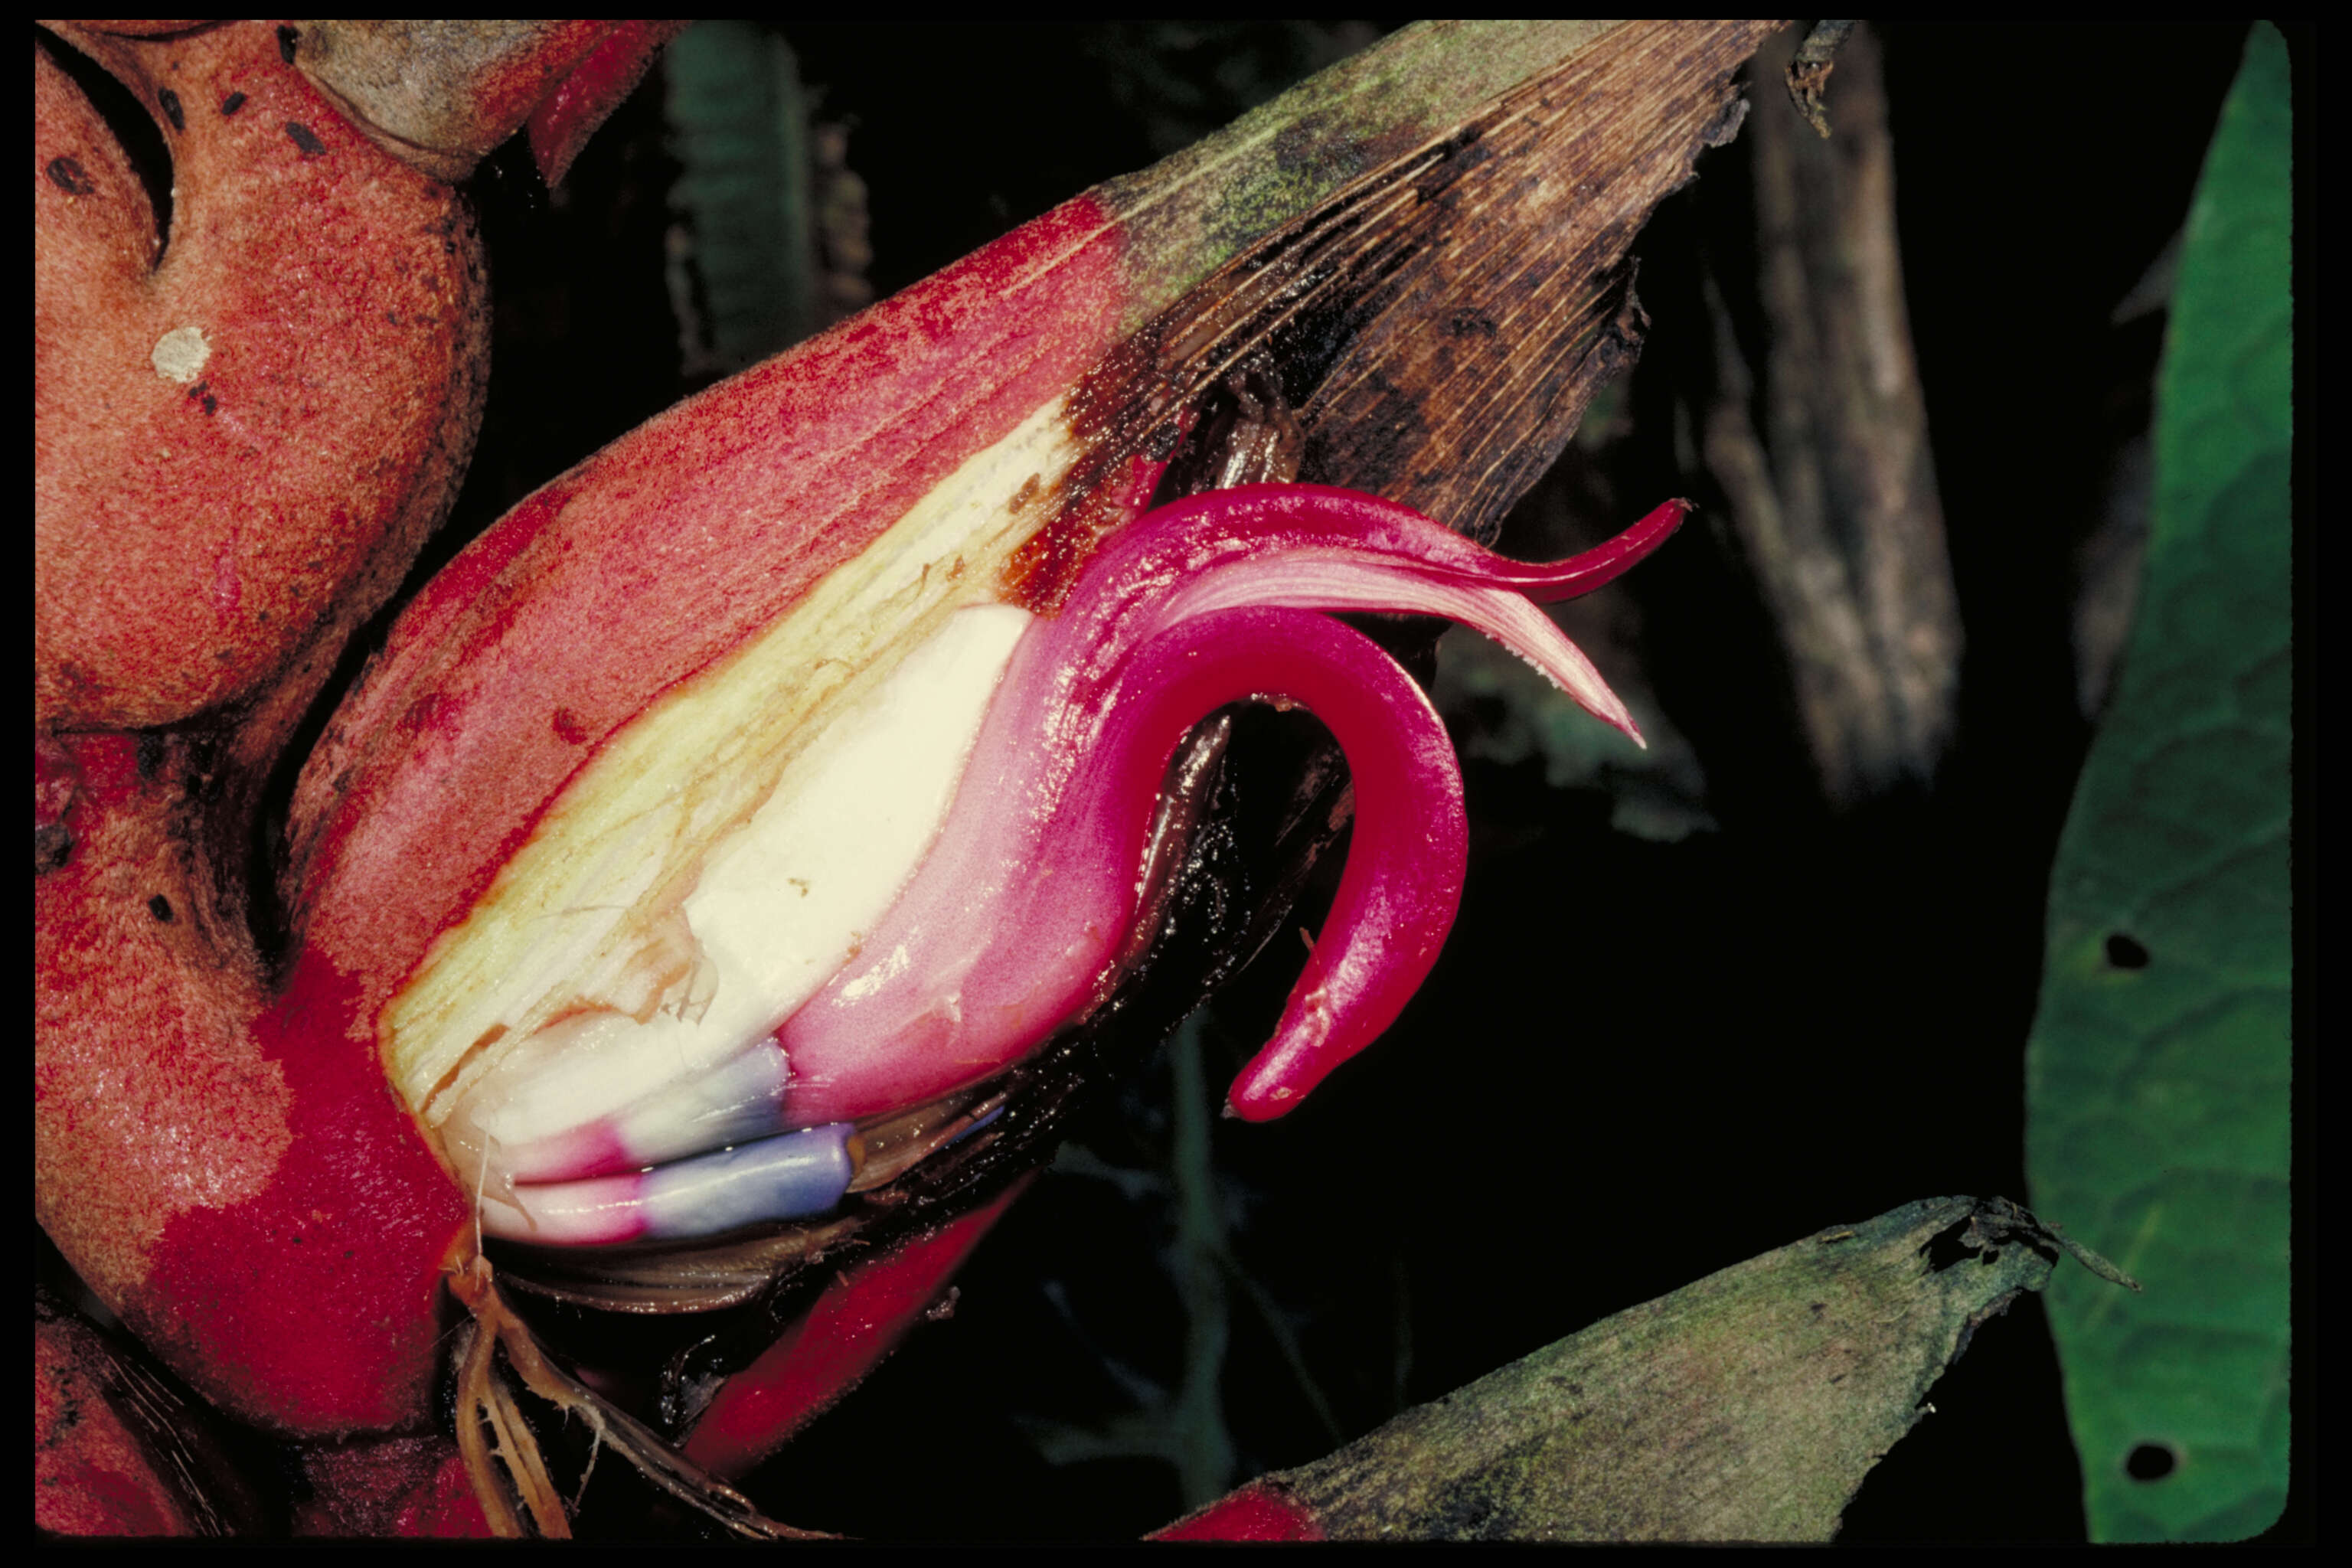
{"x":1031,"y":894}
{"x":1031,"y":891}
{"x":1018,"y":920}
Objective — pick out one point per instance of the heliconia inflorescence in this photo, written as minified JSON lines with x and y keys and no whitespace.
{"x":520,"y":970}
{"x":1012,"y":924}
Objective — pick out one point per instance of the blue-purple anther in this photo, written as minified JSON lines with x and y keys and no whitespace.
{"x":800,"y":1174}
{"x":739,"y":1100}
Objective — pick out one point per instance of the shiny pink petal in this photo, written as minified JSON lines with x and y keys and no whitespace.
{"x":1011,"y":926}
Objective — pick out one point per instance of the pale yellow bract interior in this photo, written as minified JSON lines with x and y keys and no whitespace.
{"x":589,"y":914}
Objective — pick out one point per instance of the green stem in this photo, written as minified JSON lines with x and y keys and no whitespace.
{"x":1204,"y":1448}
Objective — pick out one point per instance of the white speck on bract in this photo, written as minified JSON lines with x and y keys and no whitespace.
{"x":180,"y":354}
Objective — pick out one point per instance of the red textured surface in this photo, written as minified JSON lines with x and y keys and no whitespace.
{"x":235,"y":1177}
{"x":853,"y":1326}
{"x":389,"y":1487}
{"x":318,"y":1300}
{"x":207,"y":532}
{"x":194,"y":534}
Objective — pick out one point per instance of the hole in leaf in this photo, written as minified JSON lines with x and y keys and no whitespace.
{"x":1949,"y":1247}
{"x":2124,"y":952}
{"x":2150,"y":1462}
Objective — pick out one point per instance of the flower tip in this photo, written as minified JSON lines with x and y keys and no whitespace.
{"x":1661,"y":524}
{"x":1610,"y":709}
{"x":1261,"y":1096}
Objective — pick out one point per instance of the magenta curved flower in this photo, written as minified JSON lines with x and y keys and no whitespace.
{"x":1013,"y":925}
{"x":1032,"y":889}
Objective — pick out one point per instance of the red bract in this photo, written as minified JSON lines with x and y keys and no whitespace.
{"x":241,"y":437}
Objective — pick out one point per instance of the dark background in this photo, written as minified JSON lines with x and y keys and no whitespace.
{"x":1637,"y":1063}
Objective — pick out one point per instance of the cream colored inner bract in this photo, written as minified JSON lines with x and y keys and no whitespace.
{"x":597,"y":914}
{"x":783,"y":901}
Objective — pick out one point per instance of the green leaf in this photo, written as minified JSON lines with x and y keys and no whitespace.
{"x":1745,"y":1406}
{"x":2158,"y":1074}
